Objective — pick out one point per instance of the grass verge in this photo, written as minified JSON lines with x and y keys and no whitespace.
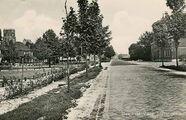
{"x":173,"y":67}
{"x":53,"y":105}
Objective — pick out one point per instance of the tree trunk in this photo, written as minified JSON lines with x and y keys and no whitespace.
{"x":49,"y":62}
{"x":94,"y":60}
{"x":68,"y":74}
{"x":100,"y":60}
{"x":162,"y":56}
{"x":89,"y":58}
{"x":177,"y":64}
{"x":86,"y":65}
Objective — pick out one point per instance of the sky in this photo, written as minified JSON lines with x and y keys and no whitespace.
{"x":127,"y":19}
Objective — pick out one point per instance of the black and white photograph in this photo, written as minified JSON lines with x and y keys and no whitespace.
{"x":92,"y":59}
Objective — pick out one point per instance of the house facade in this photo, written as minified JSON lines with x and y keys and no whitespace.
{"x":24,"y":54}
{"x":169,"y":51}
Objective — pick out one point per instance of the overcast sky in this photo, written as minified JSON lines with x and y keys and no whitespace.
{"x":127,"y":19}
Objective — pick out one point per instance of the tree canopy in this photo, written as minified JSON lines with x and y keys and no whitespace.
{"x":175,"y":5}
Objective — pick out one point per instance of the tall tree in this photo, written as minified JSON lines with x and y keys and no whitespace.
{"x":161,"y":36}
{"x":48,"y":46}
{"x":176,"y":22}
{"x":145,"y":42}
{"x":84,"y":28}
{"x":94,"y":17}
{"x":176,"y":25}
{"x":104,"y":38}
{"x":52,"y":42}
{"x":41,"y":50}
{"x":69,"y":33}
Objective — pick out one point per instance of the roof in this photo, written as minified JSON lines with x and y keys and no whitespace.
{"x":182,"y":42}
{"x":19,"y":46}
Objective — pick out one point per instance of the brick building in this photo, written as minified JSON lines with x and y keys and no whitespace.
{"x":169,"y":51}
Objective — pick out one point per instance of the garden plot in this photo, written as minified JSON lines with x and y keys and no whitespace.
{"x":9,"y":105}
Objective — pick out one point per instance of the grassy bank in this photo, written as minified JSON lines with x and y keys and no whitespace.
{"x":53,"y":105}
{"x":173,"y":67}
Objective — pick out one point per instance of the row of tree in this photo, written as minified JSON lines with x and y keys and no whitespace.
{"x":165,"y":31}
{"x":82,"y":34}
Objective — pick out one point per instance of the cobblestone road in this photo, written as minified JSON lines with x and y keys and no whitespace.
{"x":139,"y":92}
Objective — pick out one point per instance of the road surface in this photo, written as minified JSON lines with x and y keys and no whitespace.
{"x":141,"y":92}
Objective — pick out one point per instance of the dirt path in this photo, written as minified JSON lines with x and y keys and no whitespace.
{"x":91,"y":105}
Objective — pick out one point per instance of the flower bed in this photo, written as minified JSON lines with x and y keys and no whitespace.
{"x":15,"y":87}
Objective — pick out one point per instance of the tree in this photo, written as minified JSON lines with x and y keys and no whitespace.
{"x":109,"y":52}
{"x":136,"y":52}
{"x":84,"y":29}
{"x":104,"y":38}
{"x":41,"y":50}
{"x":9,"y":51}
{"x":161,"y":36}
{"x":94,"y":16}
{"x":69,"y":34}
{"x":145,"y":42}
{"x":47,"y":47}
{"x":176,"y":25}
{"x":175,"y":5}
{"x":52,"y":42}
{"x":176,"y":22}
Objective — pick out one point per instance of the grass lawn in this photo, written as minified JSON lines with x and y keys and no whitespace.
{"x":53,"y":105}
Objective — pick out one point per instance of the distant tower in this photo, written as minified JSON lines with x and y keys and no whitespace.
{"x":9,"y":35}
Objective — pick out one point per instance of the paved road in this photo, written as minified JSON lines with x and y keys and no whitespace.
{"x":139,"y":92}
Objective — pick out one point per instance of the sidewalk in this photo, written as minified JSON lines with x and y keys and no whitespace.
{"x":173,"y":71}
{"x":92,"y":101}
{"x":157,"y":64}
